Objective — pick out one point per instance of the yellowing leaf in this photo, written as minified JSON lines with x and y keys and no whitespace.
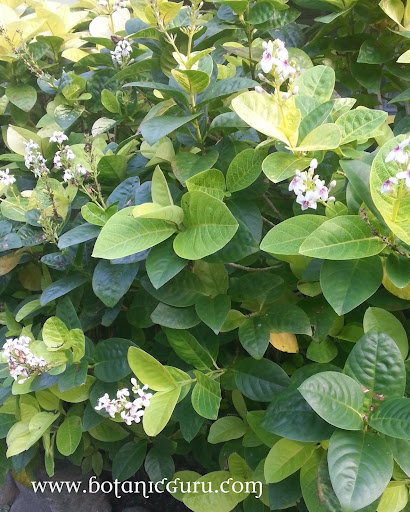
{"x":285,"y":342}
{"x":74,"y":54}
{"x":403,"y":293}
{"x":10,"y":261}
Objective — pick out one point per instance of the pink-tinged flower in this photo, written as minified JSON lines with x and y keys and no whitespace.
{"x":298,"y":184}
{"x":145,"y":397}
{"x":388,"y":185}
{"x":58,"y":137}
{"x":284,"y":69}
{"x":260,"y":90}
{"x":309,"y":200}
{"x":267,"y":56}
{"x":6,"y":178}
{"x":103,"y":402}
{"x":397,"y":154}
{"x":404,"y":175}
{"x":122,"y":394}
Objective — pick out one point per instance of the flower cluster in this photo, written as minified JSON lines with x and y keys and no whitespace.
{"x":58,"y":137}
{"x":34,"y":160}
{"x":129,"y":410}
{"x":400,"y":155}
{"x":6,"y":178}
{"x":64,"y":157}
{"x":22,"y":362}
{"x":310,"y":189}
{"x":122,"y":54}
{"x":276,"y":54}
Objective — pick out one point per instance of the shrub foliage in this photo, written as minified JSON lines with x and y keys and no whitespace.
{"x":205,"y":240}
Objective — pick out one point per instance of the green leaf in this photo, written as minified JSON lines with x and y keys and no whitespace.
{"x":360,"y":124}
{"x":128,"y":460}
{"x":66,"y":115}
{"x":254,"y":337}
{"x":209,"y":226}
{"x":288,"y":318}
{"x":394,"y":498}
{"x":206,"y":396}
{"x":395,"y":212}
{"x":112,"y":170}
{"x":77,"y":394}
{"x":337,"y":398}
{"x":162,"y":264}
{"x":124,"y":235}
{"x":175,"y":318}
{"x":226,"y":87}
{"x":398,"y":270}
{"x":158,"y":414}
{"x":317,"y":82}
{"x":261,"y":113}
{"x":287,"y":237}
{"x":108,"y":432}
{"x":285,"y":458}
{"x":393,"y":418}
{"x":315,"y":118}
{"x":157,"y":127}
{"x":376,"y":363}
{"x":23,"y":96}
{"x":201,"y":500}
{"x":94,"y":214}
{"x":110,"y":357}
{"x":149,"y":371}
{"x":244,"y":169}
{"x":69,"y":435}
{"x":383,"y":321}
{"x":189,"y":349}
{"x":289,"y":415}
{"x":360,"y":467}
{"x":110,"y":102}
{"x":62,"y":287}
{"x":55,"y":333}
{"x":191,"y":80}
{"x":347,"y":284}
{"x":280,"y":166}
{"x":324,"y":137}
{"x":342,"y":238}
{"x":260,"y":380}
{"x":226,"y":429}
{"x":78,"y":235}
{"x":401,"y":452}
{"x":213,"y":310}
{"x":112,"y":282}
{"x":159,"y":189}
{"x":211,"y":182}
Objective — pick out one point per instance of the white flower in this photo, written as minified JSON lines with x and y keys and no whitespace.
{"x":309,"y":200}
{"x":123,"y":393}
{"x":34,"y":160}
{"x":314,"y":164}
{"x":122,"y":52}
{"x":129,"y":411}
{"x":58,"y":137}
{"x":6,"y":178}
{"x":404,"y":175}
{"x":81,"y":170}
{"x":397,"y":154}
{"x":388,"y":185}
{"x":68,"y":175}
{"x":298,"y":184}
{"x":21,"y":361}
{"x":145,"y":397}
{"x":267,"y":56}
